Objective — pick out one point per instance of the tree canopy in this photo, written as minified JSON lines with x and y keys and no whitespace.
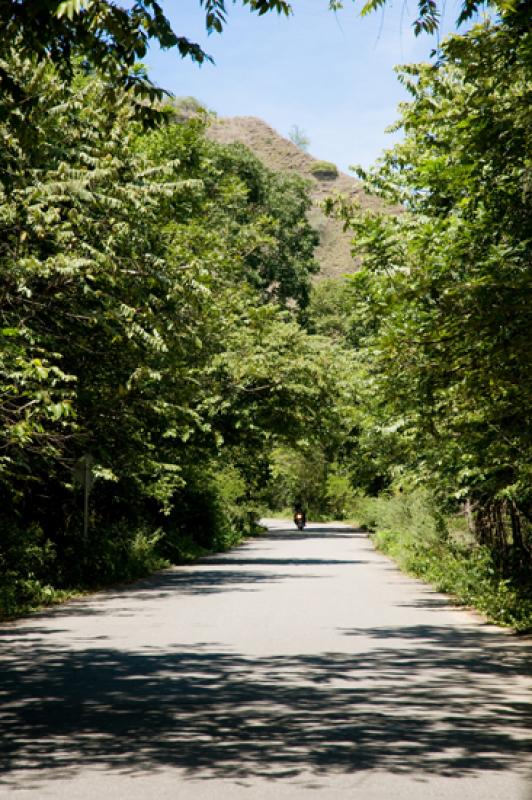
{"x":113,"y":36}
{"x":153,"y":285}
{"x":442,"y":305}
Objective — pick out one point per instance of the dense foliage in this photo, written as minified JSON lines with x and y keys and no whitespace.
{"x":156,"y":334}
{"x":149,"y":303}
{"x":108,"y":35}
{"x":113,"y":36}
{"x":440,"y":313}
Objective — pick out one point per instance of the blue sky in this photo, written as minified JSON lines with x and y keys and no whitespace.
{"x":330,"y":74}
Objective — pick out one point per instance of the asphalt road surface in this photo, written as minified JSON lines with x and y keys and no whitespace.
{"x":297,"y":666}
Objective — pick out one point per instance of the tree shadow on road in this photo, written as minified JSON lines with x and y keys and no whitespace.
{"x":280,"y":562}
{"x":424,"y":700}
{"x":171,"y":583}
{"x":193,"y":579}
{"x":316,"y":532}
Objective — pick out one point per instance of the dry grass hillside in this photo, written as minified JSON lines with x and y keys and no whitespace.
{"x":278,"y":153}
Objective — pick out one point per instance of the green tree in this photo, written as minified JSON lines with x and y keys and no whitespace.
{"x":113,"y":37}
{"x":445,"y":289}
{"x":141,"y":280}
{"x":110,"y":35}
{"x":298,"y":136}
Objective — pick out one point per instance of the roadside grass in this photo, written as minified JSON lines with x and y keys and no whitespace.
{"x":441,"y":551}
{"x":22,"y":596}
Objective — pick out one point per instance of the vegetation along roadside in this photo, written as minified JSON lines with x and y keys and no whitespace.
{"x":165,"y":328}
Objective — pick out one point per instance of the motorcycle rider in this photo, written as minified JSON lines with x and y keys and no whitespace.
{"x":300,"y":518}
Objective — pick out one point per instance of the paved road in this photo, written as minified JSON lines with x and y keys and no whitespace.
{"x":297,"y":666}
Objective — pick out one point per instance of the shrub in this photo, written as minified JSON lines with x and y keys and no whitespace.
{"x":199,"y":523}
{"x":409,"y":528}
{"x":27,"y":561}
{"x":123,"y":552}
{"x":324,"y":169}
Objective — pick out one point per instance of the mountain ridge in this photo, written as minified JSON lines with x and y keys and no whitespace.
{"x":280,"y":154}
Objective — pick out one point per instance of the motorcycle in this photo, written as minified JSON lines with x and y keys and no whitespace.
{"x":299,"y":519}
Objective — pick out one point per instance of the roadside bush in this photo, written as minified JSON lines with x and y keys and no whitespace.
{"x":122,"y":552}
{"x":198,"y":524}
{"x":19,"y":595}
{"x":27,"y":561}
{"x":409,"y":528}
{"x":242,"y":512}
{"x":30,"y":575}
{"x":413,"y":511}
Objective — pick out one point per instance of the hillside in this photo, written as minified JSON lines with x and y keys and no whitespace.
{"x":281,"y":154}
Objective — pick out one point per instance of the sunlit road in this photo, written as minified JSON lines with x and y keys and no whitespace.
{"x":297,"y":666}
